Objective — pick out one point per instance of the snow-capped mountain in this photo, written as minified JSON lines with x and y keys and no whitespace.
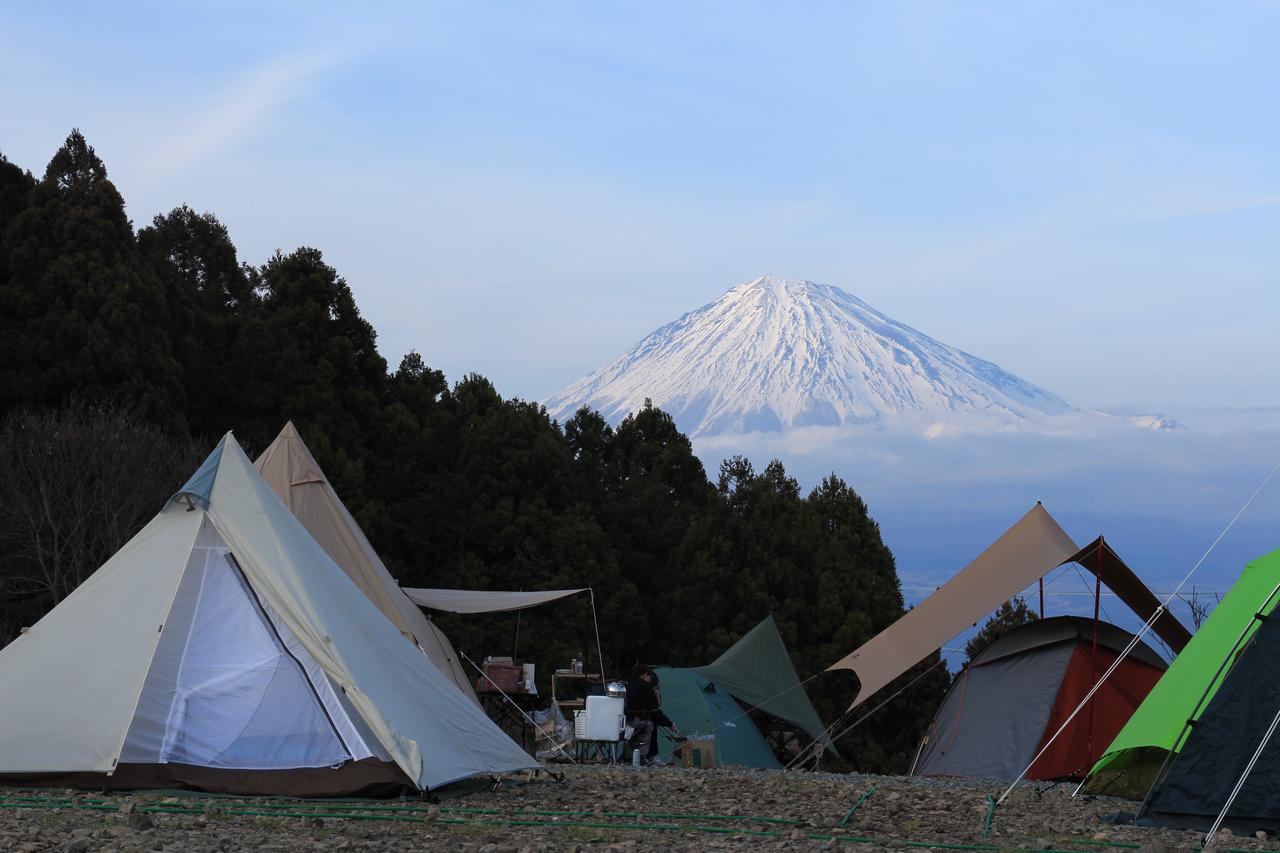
{"x":774,"y":354}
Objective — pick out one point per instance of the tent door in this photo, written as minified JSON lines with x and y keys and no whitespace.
{"x":231,"y":687}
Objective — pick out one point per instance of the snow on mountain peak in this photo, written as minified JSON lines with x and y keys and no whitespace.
{"x":774,"y":354}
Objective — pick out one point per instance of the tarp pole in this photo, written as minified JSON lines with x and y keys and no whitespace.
{"x":1042,"y":596}
{"x":1093,"y":660}
{"x":599,"y":648}
{"x":515,"y":643}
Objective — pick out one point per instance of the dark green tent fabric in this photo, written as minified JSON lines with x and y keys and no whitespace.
{"x":1221,"y":744}
{"x":758,"y":671}
{"x":696,"y":705}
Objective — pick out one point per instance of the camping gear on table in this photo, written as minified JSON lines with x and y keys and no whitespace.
{"x":502,"y":678}
{"x":295,"y":476}
{"x":1000,"y":710}
{"x":222,"y":649}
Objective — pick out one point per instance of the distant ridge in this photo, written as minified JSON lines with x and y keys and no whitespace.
{"x":775,"y":354}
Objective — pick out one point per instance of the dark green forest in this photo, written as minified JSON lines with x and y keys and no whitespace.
{"x":125,"y":353}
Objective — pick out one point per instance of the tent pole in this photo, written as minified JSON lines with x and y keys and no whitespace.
{"x":1042,"y":596}
{"x":916,"y":760}
{"x":1093,"y":659}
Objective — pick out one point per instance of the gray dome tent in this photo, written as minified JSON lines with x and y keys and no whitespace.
{"x":999,"y":711}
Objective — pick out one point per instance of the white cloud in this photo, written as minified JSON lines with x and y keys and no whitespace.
{"x":224,"y":117}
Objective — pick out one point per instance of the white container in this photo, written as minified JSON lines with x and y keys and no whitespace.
{"x":527,"y":678}
{"x":580,"y":725}
{"x":605,"y":719}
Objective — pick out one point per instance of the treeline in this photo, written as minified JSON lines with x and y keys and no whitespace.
{"x":164,"y":337}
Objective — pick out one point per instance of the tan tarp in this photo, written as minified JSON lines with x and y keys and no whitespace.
{"x":295,"y":476}
{"x":483,"y":601}
{"x":1026,"y":551}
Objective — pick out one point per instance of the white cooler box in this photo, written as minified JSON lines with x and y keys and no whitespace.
{"x":602,"y":720}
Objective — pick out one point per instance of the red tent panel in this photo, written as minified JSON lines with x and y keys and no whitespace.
{"x":1074,"y":752}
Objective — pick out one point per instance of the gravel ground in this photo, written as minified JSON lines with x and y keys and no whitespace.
{"x":601,"y":808}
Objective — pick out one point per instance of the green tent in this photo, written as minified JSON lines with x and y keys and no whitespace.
{"x":699,"y":707}
{"x":1131,"y":763}
{"x":758,"y":670}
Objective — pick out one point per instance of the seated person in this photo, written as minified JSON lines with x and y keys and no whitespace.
{"x":643,"y":711}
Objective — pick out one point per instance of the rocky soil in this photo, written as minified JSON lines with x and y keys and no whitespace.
{"x":600,"y":808}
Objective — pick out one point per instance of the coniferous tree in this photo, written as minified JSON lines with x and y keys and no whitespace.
{"x":15,"y":187}
{"x":80,"y":311}
{"x":1006,"y":617}
{"x":648,"y":489}
{"x":313,"y":360}
{"x":213,"y":308}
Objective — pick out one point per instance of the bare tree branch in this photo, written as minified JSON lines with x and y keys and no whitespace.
{"x":75,"y":484}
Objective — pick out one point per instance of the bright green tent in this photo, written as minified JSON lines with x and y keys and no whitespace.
{"x":1131,"y":763}
{"x":698,"y":707}
{"x":758,"y":671}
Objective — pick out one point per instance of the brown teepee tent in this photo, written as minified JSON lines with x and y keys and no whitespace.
{"x":293,"y":474}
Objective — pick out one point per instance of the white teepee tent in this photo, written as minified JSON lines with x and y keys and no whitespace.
{"x":222,"y":649}
{"x":295,"y":476}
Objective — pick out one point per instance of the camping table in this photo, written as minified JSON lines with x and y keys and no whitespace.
{"x":511,"y":714}
{"x":606,"y":751}
{"x":569,"y":689}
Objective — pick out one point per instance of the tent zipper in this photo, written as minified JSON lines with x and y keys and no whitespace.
{"x":279,"y":639}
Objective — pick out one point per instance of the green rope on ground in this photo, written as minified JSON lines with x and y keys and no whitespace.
{"x":986,"y":822}
{"x":100,"y":805}
{"x":346,"y":813}
{"x":856,"y":806}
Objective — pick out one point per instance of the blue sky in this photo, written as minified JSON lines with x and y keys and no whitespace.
{"x":1086,"y":193}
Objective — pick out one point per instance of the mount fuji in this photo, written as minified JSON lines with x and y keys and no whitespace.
{"x":775,"y":354}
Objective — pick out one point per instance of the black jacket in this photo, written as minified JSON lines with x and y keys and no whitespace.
{"x":642,"y":703}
